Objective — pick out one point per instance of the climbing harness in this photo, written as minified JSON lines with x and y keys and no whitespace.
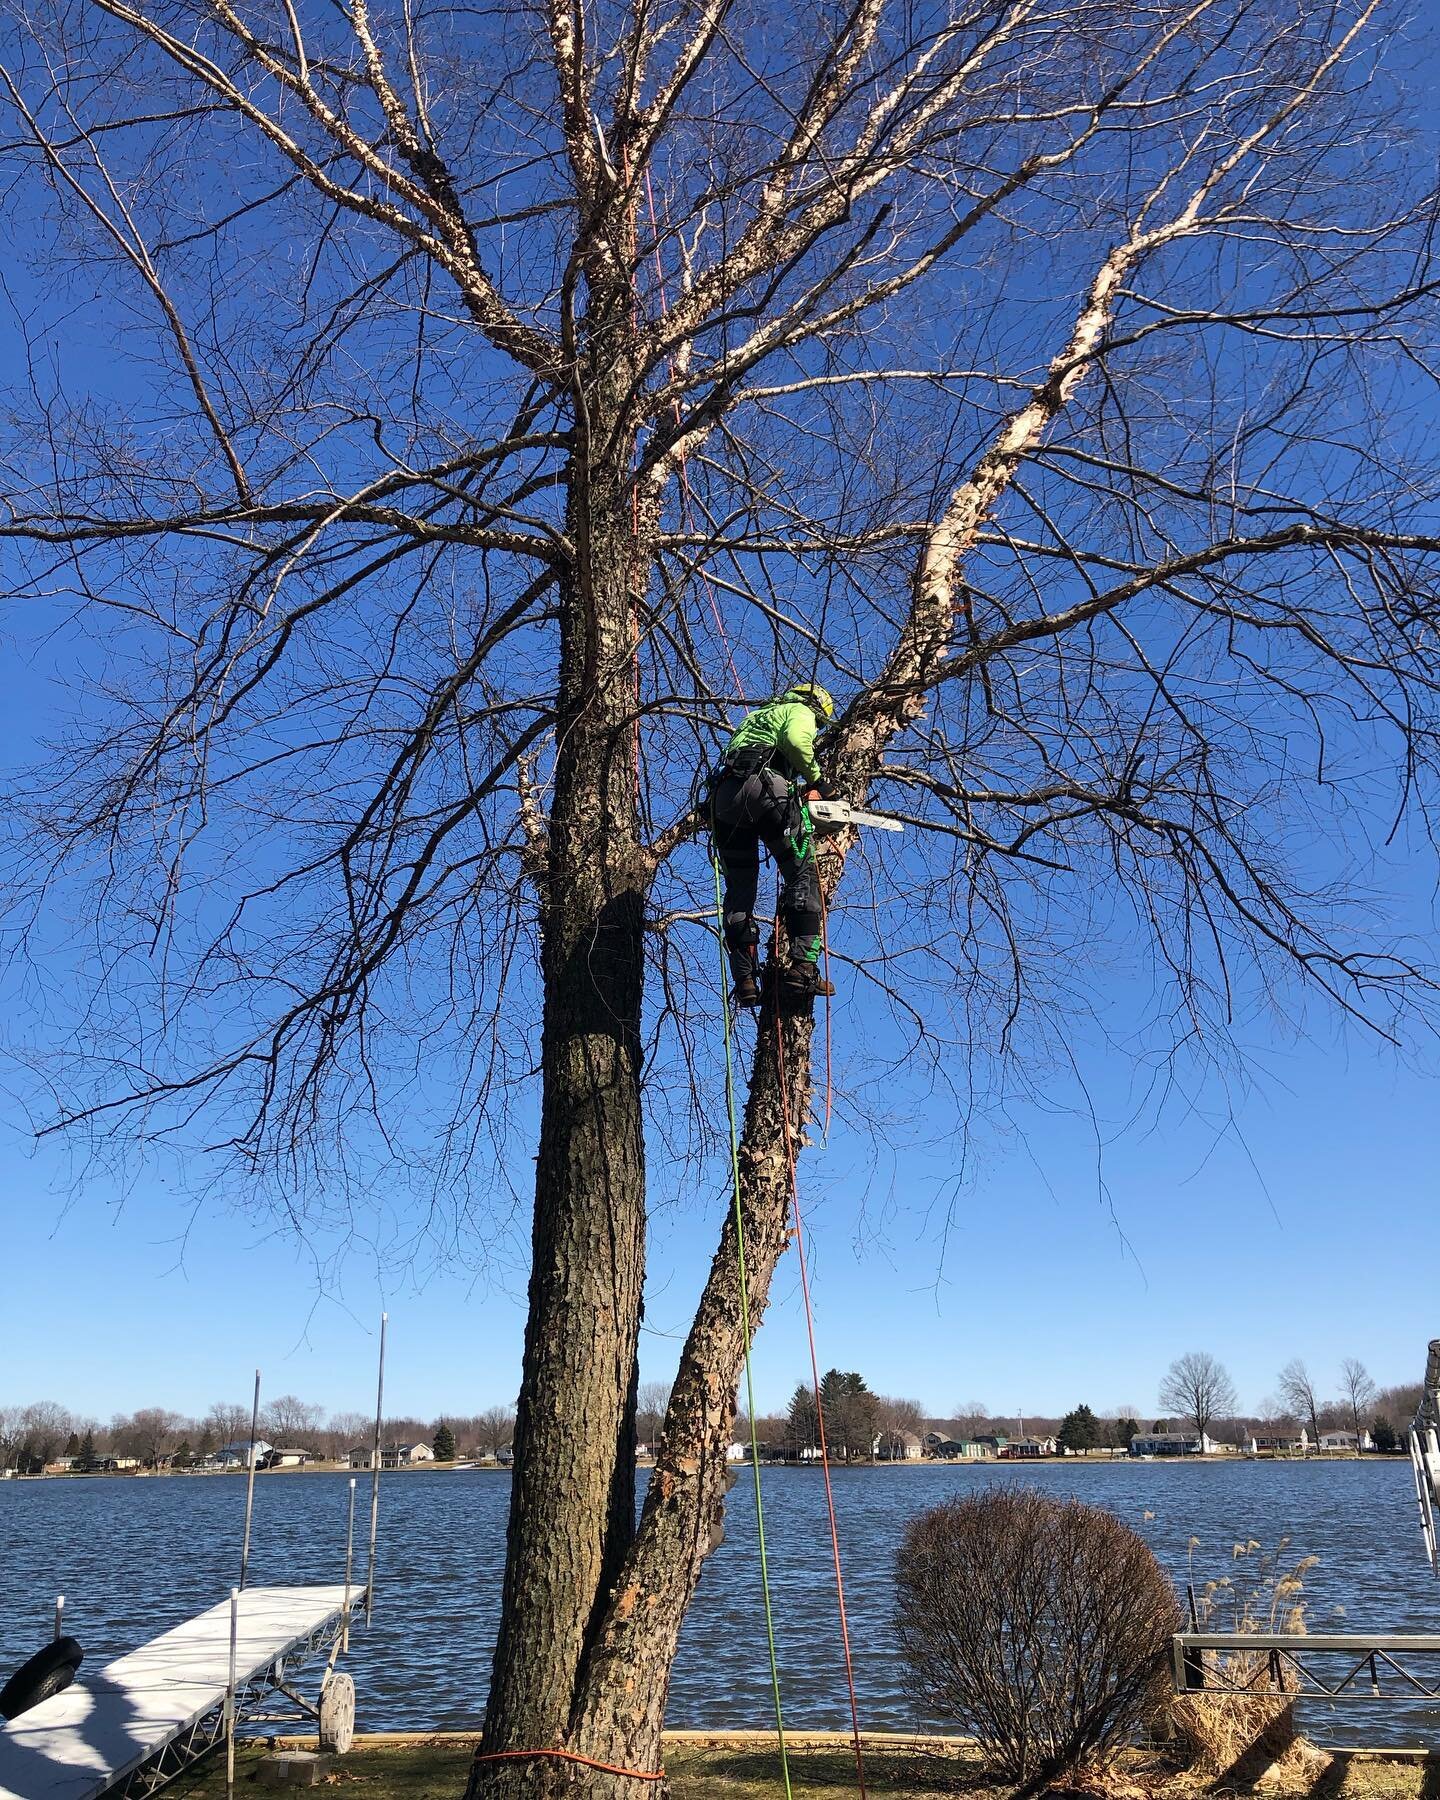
{"x":745,"y":1335}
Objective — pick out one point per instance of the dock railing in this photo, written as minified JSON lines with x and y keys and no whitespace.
{"x":1347,"y":1665}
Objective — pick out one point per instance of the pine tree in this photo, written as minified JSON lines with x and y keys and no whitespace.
{"x":72,"y":1445}
{"x":444,"y":1443}
{"x":1079,"y":1430}
{"x":87,"y":1451}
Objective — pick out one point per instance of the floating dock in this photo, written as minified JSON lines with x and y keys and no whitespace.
{"x":148,"y":1715}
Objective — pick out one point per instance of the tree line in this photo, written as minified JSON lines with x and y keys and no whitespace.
{"x":44,"y":1432}
{"x":1196,"y":1391}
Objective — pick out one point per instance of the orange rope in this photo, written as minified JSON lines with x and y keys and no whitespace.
{"x":571,"y":1756}
{"x":815,"y":1375}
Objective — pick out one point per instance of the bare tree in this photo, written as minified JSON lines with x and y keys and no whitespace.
{"x":1297,"y":1391}
{"x":42,"y":1429}
{"x":895,"y":1418}
{"x":640,"y":359}
{"x":292,"y":1421}
{"x":344,"y":1432}
{"x":1198,"y":1387}
{"x":651,"y":1400}
{"x":150,"y":1434}
{"x":1360,"y":1395}
{"x":495,"y":1429}
{"x":228,"y":1422}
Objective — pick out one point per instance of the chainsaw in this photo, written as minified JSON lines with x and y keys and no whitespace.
{"x":837,"y":815}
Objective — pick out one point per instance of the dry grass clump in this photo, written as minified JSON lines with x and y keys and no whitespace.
{"x":1224,"y":1729}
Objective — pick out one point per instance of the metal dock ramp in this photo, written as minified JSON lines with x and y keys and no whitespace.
{"x":149,"y":1714}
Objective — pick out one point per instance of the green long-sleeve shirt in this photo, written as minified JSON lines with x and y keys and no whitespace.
{"x":784,"y":725}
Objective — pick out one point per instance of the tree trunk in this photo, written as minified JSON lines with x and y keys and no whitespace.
{"x":572,"y":1510}
{"x":627,"y":1679}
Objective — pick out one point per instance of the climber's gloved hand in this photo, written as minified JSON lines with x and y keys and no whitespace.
{"x":824,"y":790}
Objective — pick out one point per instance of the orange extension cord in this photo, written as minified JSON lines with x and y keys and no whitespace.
{"x":590,"y":1762}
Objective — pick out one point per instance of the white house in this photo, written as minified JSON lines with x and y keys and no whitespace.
{"x":897,"y":1446}
{"x":240,"y":1454}
{"x":287,"y":1459}
{"x":1346,"y":1440}
{"x":1173,"y":1443}
{"x":1028,"y":1449}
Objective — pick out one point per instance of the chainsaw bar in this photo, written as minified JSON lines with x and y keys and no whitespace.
{"x":835,"y":815}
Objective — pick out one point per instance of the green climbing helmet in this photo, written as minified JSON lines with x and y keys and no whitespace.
{"x":811,"y":694}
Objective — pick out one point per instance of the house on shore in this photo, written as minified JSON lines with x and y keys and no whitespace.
{"x":392,"y":1456}
{"x":405,"y":1456}
{"x":291,"y":1458}
{"x":897,"y":1446}
{"x":1028,"y":1449}
{"x":1279,"y":1443}
{"x":1173,"y":1443}
{"x":242,"y":1453}
{"x":1346,"y":1441}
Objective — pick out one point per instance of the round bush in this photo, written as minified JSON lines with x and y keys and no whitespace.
{"x":1039,"y":1626}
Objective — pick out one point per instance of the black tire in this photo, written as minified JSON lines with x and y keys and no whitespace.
{"x":49,"y":1672}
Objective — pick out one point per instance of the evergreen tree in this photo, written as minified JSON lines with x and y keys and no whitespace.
{"x":802,"y":1418}
{"x":444,"y":1443}
{"x":1079,"y":1430}
{"x":1125,"y":1429}
{"x":183,"y":1456}
{"x":87,"y":1451}
{"x":1383,"y":1432}
{"x":72,"y":1445}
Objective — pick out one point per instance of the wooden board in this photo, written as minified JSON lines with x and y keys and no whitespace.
{"x":82,"y":1741}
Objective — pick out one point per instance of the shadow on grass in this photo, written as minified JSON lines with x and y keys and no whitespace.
{"x":888,"y":1770}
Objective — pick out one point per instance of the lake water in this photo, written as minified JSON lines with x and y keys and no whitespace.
{"x":133,"y":1557}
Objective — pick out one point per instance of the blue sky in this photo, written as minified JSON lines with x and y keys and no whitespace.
{"x":1291,"y":1215}
{"x":1039,"y":1303}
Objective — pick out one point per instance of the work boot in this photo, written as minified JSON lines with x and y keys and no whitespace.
{"x":802,"y":980}
{"x":747,"y":989}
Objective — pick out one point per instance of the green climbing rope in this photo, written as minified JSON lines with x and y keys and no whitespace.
{"x":745,"y":1333}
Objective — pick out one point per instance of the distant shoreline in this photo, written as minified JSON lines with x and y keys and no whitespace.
{"x":1003,"y":1464}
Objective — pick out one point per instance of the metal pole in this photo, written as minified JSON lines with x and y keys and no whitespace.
{"x":250,"y":1482}
{"x":230,"y":1698}
{"x":375,"y":1473}
{"x":59,"y":1612}
{"x":349,"y":1560}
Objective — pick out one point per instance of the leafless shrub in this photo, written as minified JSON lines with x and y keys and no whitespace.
{"x":1039,"y":1625}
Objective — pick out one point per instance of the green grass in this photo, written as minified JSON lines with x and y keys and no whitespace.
{"x":745,"y":1769}
{"x":741,"y":1771}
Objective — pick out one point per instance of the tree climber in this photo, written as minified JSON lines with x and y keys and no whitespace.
{"x":759,"y":795}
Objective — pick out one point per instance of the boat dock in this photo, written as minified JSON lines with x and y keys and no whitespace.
{"x":151,"y":1713}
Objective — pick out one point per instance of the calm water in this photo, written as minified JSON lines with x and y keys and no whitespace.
{"x":133,"y":1557}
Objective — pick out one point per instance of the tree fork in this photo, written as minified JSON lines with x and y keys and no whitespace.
{"x":622,"y":1704}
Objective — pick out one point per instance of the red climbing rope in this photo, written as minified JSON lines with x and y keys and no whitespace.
{"x":571,"y":1756}
{"x":819,"y":1403}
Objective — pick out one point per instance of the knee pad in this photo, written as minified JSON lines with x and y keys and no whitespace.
{"x":741,"y":929}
